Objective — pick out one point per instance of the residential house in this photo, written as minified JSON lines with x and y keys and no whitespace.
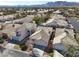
{"x":21,"y":33}
{"x":24,"y":31}
{"x":6,"y":52}
{"x":27,"y":19}
{"x":57,"y":42}
{"x":64,"y":38}
{"x":57,"y":12}
{"x":71,"y":11}
{"x":40,"y":39}
{"x":57,"y":21}
{"x":48,"y":30}
{"x":10,"y":29}
{"x":40,"y":36}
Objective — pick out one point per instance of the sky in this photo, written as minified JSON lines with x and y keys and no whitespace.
{"x":29,"y":2}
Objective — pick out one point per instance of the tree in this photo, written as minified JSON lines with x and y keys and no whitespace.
{"x":47,"y":17}
{"x":1,"y":40}
{"x":73,"y":51}
{"x":41,"y":19}
{"x":17,"y":16}
{"x":37,"y":20}
{"x":23,"y":47}
{"x":51,"y":53}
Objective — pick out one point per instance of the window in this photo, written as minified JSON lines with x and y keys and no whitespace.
{"x":18,"y":34}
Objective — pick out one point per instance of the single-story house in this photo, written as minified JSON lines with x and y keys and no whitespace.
{"x":24,"y":31}
{"x":40,"y":39}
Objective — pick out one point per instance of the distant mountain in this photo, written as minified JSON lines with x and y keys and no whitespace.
{"x":57,"y":4}
{"x":62,"y":3}
{"x":49,"y":4}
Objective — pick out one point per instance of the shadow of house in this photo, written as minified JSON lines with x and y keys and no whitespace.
{"x":40,"y":47}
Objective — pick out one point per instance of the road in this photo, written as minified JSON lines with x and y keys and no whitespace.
{"x":74,"y":22}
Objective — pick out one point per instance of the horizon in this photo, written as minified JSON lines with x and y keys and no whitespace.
{"x":29,"y":2}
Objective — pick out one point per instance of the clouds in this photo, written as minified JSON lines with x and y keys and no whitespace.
{"x":34,"y":0}
{"x":25,"y":0}
{"x":21,"y":2}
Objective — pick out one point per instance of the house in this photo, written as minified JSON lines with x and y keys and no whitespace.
{"x":70,"y":39}
{"x":57,"y":42}
{"x":57,"y":20}
{"x":7,"y":17}
{"x":48,"y":30}
{"x":24,"y":31}
{"x":16,"y":32}
{"x":57,"y":12}
{"x":21,"y":33}
{"x":40,"y":39}
{"x":10,"y":29}
{"x":27,"y":19}
{"x":40,"y":36}
{"x":42,"y":11}
{"x":71,"y":11}
{"x":31,"y":26}
{"x":1,"y":13}
{"x":64,"y":38}
{"x":6,"y":52}
{"x":59,"y":31}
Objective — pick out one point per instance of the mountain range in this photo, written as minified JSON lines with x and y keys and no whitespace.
{"x":57,"y":4}
{"x":51,"y":4}
{"x":62,"y":3}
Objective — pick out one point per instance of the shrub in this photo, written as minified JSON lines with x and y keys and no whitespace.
{"x":51,"y":53}
{"x":1,"y":40}
{"x":23,"y":47}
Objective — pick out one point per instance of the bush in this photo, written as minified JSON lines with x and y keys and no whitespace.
{"x":41,"y":19}
{"x":51,"y":53}
{"x":1,"y":40}
{"x":73,"y":51}
{"x":37,"y":20}
{"x":23,"y":47}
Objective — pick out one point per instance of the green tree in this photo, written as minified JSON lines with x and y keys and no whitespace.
{"x":17,"y":16}
{"x":23,"y":47}
{"x":73,"y":51}
{"x":41,"y":19}
{"x":47,"y":17}
{"x":37,"y":20}
{"x":1,"y":40}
